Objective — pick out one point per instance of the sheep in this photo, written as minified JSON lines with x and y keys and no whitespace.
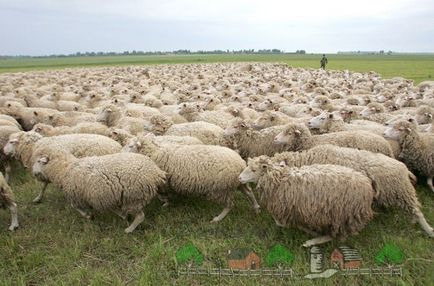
{"x":332,"y":200}
{"x":251,"y":143}
{"x":123,"y":137}
{"x":200,"y":170}
{"x":208,"y":133}
{"x":392,"y":187}
{"x":191,"y":112}
{"x":297,"y":137}
{"x":121,"y":183}
{"x":269,"y":119}
{"x":111,"y":116}
{"x":375,"y":111}
{"x":25,"y":146}
{"x":5,"y":132}
{"x":158,"y":124}
{"x":7,"y":201}
{"x":26,"y":116}
{"x":424,"y":114}
{"x":84,"y":127}
{"x":417,"y":149}
{"x":69,"y":118}
{"x":322,"y":102}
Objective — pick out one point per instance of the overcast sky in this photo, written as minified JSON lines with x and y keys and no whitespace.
{"x":41,"y":27}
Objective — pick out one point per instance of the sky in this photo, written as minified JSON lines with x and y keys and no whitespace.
{"x":43,"y":27}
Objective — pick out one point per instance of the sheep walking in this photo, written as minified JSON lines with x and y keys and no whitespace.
{"x":199,"y":170}
{"x":121,"y":183}
{"x":334,"y":201}
{"x":417,"y":149}
{"x":7,"y":201}
{"x":393,"y":189}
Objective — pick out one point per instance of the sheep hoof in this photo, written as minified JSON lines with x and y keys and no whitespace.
{"x":37,"y":200}
{"x":13,"y":227}
{"x":89,"y":216}
{"x":129,"y":230}
{"x":257,"y":210}
{"x":215,"y":220}
{"x":165,"y":205}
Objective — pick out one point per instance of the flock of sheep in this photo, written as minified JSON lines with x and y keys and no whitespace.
{"x":319,"y":148}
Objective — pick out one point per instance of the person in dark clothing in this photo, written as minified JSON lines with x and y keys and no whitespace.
{"x":323,"y":61}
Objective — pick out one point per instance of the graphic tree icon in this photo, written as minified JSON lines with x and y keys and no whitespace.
{"x":189,"y":254}
{"x":279,"y":256}
{"x":390,"y":254}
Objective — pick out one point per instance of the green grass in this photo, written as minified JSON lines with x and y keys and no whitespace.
{"x":416,"y":67}
{"x":56,"y":246}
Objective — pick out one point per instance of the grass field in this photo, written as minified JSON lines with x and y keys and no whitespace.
{"x":416,"y":67}
{"x":55,"y":246}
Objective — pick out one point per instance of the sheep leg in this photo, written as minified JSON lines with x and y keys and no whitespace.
{"x":420,"y":218}
{"x":120,"y":214}
{"x":224,"y":213}
{"x":249,"y":193}
{"x":38,"y":199}
{"x":82,"y":212}
{"x":429,"y":182}
{"x":138,"y":219}
{"x":306,"y":230}
{"x":14,"y":215}
{"x":7,"y":171}
{"x":317,"y":240}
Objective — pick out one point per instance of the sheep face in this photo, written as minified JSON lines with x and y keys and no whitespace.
{"x":10,"y":147}
{"x":132,"y":146}
{"x":265,"y":105}
{"x":263,"y":121}
{"x":235,"y":128}
{"x":368,"y":111}
{"x":288,"y":135}
{"x":424,"y":118}
{"x":320,"y":120}
{"x":38,"y":167}
{"x":42,"y":128}
{"x":400,"y":129}
{"x":252,"y":172}
{"x":104,"y":115}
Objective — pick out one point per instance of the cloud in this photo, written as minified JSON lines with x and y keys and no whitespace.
{"x":50,"y":26}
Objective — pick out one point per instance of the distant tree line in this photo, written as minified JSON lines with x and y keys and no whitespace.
{"x":177,"y":52}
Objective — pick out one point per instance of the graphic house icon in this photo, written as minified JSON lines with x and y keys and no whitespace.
{"x":243,"y":259}
{"x":345,"y":258}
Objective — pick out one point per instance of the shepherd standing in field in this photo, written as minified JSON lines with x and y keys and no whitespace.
{"x":323,"y":61}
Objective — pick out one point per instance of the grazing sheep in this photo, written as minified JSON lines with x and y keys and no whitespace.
{"x":7,"y":201}
{"x":297,"y":137}
{"x":392,"y":188}
{"x":200,"y":170}
{"x":121,"y":183}
{"x":417,"y":149}
{"x":332,"y":200}
{"x":252,"y":143}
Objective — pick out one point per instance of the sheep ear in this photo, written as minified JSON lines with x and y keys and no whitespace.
{"x":44,"y":160}
{"x":373,"y":109}
{"x":408,"y":129}
{"x":296,"y":131}
{"x":14,"y":141}
{"x":109,"y":110}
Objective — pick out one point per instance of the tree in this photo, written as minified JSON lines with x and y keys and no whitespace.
{"x":390,"y":254}
{"x":189,"y":254}
{"x":279,"y":256}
